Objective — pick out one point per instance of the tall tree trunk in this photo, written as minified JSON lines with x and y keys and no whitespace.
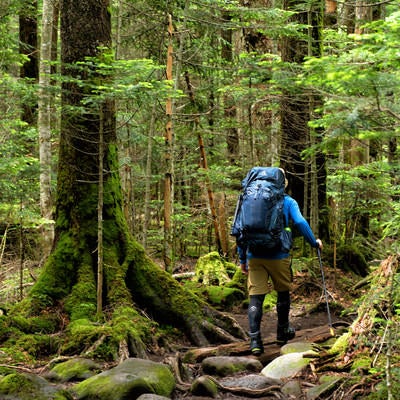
{"x":147,"y":192}
{"x":28,"y":39}
{"x":130,"y":278}
{"x":44,"y":120}
{"x":169,"y":166}
{"x":204,"y":165}
{"x":230,"y":111}
{"x":307,"y":181}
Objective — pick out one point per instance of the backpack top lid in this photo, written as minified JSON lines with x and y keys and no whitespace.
{"x":273,"y":174}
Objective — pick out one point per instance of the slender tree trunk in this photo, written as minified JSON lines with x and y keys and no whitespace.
{"x":28,"y":39}
{"x":230,"y":110}
{"x":44,"y":120}
{"x":147,"y":191}
{"x":204,"y":165}
{"x":100,"y":227}
{"x":168,"y":175}
{"x":306,"y":181}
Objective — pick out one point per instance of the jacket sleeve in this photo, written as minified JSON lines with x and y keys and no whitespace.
{"x":300,"y":222}
{"x":242,"y":252}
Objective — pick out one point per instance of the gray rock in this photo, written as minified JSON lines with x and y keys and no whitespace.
{"x":251,"y":381}
{"x":149,"y":396}
{"x":299,"y":347}
{"x":286,"y":366}
{"x":327,"y":384}
{"x":224,"y":365}
{"x":292,"y":389}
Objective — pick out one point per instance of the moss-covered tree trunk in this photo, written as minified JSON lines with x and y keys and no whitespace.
{"x":131,"y":280}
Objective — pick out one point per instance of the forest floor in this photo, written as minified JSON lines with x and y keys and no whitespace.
{"x":308,"y":313}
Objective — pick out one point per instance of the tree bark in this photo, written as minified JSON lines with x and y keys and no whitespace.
{"x":130,"y":276}
{"x":307,"y":182}
{"x":28,"y":39}
{"x":44,"y":120}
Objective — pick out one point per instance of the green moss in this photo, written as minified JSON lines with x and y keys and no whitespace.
{"x":341,"y":344}
{"x":238,"y":281}
{"x":224,"y":296}
{"x":6,"y":330}
{"x":117,"y":292}
{"x":37,"y":345}
{"x":82,"y":334}
{"x":15,"y":383}
{"x":75,"y":369}
{"x":44,"y":323}
{"x":104,"y":339}
{"x":127,"y":319}
{"x":13,"y":355}
{"x":210,"y":270}
{"x":361,"y":363}
{"x":270,"y":301}
{"x":59,"y":272}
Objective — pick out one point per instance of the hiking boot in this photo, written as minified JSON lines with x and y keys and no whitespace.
{"x":256,"y":344}
{"x":285,"y":333}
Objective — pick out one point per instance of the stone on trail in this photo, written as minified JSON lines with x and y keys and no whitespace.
{"x":252,"y":381}
{"x":227,"y":365}
{"x":299,"y":347}
{"x":286,"y":366}
{"x":26,"y":386}
{"x":204,"y":386}
{"x":328,"y":383}
{"x":130,"y":379}
{"x":76,"y":369}
{"x":150,"y":396}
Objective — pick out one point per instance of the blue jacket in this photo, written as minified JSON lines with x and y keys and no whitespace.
{"x":292,"y":213}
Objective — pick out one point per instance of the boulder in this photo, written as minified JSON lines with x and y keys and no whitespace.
{"x":251,"y":381}
{"x":25,"y":386}
{"x":76,"y":369}
{"x":130,"y":379}
{"x":225,"y":365}
{"x":204,"y":386}
{"x":286,"y":366}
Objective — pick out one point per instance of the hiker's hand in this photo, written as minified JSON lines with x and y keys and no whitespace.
{"x":244,"y":268}
{"x":319,"y":243}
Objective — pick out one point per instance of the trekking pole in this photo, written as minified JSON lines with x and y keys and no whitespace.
{"x":325,"y":293}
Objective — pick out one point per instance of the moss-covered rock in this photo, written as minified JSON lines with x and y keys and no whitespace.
{"x":224,"y":297}
{"x":128,"y":380}
{"x":204,"y":386}
{"x":25,"y":386}
{"x":76,"y":369}
{"x":227,"y":365}
{"x":211,"y":270}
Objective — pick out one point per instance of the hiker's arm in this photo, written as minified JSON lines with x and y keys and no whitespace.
{"x":242,"y":258}
{"x":302,"y":225}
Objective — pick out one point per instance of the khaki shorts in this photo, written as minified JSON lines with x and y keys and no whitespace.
{"x":260,"y":270}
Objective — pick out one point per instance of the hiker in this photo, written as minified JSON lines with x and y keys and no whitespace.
{"x":262,"y":264}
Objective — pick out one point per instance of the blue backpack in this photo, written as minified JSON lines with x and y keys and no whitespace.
{"x":259,"y":221}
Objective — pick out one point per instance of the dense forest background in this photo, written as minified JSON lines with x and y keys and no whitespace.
{"x":204,"y":90}
{"x":126,"y":130}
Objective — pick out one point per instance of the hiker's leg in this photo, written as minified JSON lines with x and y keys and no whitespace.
{"x":255,"y":312}
{"x":284,"y":331}
{"x":282,"y":277}
{"x":257,"y":286}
